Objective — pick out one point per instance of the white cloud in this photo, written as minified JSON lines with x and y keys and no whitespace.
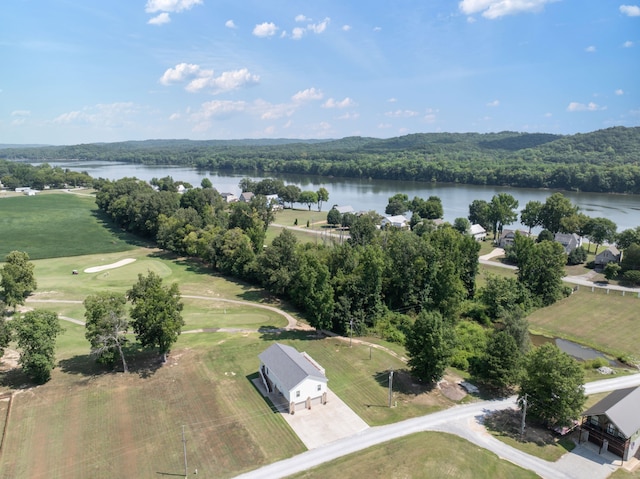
{"x":21,"y":113}
{"x":377,"y":29}
{"x":270,"y":111}
{"x":619,"y":92}
{"x":590,"y":49}
{"x":230,"y":24}
{"x":200,"y":79}
{"x":384,"y":125}
{"x":392,"y":100}
{"x":630,"y":10}
{"x":227,"y":81}
{"x":401,"y":113}
{"x":331,"y":103}
{"x":494,"y":103}
{"x":170,"y":5}
{"x":349,"y":116}
{"x":266,"y":29}
{"x":493,"y":9}
{"x":308,"y":94}
{"x":160,"y":19}
{"x":301,"y":18}
{"x":346,"y":28}
{"x":627,"y":44}
{"x":181,"y":72}
{"x":319,"y":27}
{"x":175,"y":116}
{"x":111,"y":115}
{"x":20,"y":117}
{"x":591,"y":106}
{"x":297,"y":33}
{"x":219,"y":108}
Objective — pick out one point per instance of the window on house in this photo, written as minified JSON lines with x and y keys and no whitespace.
{"x":611,"y":429}
{"x":594,"y":421}
{"x":297,"y":394}
{"x":319,"y":387}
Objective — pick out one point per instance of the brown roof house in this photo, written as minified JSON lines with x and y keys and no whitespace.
{"x":295,"y":375}
{"x":614,"y":423}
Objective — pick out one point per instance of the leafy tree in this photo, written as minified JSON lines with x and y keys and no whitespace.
{"x":430,"y":345}
{"x":545,"y":235}
{"x":289,"y":194}
{"x":279,"y":263}
{"x":348,"y":219}
{"x":430,"y":209}
{"x":577,"y":223}
{"x":555,"y":208}
{"x":631,"y":257}
{"x":17,"y":280}
{"x":308,"y":198}
{"x":611,"y":271}
{"x":323,"y":196}
{"x":502,"y":211}
{"x":35,"y":334}
{"x":577,"y":256}
{"x":206,"y":183}
{"x":5,"y":332}
{"x":462,"y":225}
{"x":500,"y":295}
{"x":627,"y":237}
{"x":516,"y":325}
{"x":364,"y":228}
{"x":311,"y":289}
{"x":471,"y":341}
{"x":334,"y":217}
{"x":530,"y":215}
{"x":233,"y":253}
{"x":479,"y":214}
{"x":245,"y":217}
{"x":632,"y":276}
{"x":398,"y":204}
{"x":106,"y":326}
{"x":601,"y":230}
{"x":156,"y":318}
{"x":501,"y":364}
{"x":247,"y":185}
{"x":268,"y":186}
{"x":541,"y":268}
{"x":552,"y":386}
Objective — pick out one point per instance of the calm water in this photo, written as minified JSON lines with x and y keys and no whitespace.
{"x":624,"y":210}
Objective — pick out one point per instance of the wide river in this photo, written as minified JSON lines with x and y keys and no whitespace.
{"x":624,"y":210}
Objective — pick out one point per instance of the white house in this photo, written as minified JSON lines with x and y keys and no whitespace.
{"x":478,"y":232}
{"x":229,"y":197}
{"x":300,"y":379}
{"x":274,"y":201}
{"x":397,"y":221}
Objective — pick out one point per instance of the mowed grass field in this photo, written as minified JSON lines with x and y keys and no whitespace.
{"x":57,"y":224}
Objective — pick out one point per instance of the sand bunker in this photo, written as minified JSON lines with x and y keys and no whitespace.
{"x":97,"y":269}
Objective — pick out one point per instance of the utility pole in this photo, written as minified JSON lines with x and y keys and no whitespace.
{"x":184,"y":448}
{"x":390,"y":386}
{"x":524,"y":415}
{"x":351,"y":326}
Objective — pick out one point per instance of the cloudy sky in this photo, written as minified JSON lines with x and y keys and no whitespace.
{"x":78,"y":71}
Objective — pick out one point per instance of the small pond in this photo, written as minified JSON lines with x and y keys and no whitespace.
{"x":578,"y":351}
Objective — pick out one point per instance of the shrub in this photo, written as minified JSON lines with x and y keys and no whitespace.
{"x":632,"y":276}
{"x":577,"y":256}
{"x":595,"y":363}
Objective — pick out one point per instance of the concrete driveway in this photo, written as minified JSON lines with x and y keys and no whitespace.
{"x":320,"y":425}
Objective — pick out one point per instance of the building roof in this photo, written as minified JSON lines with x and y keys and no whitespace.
{"x":621,"y":407}
{"x":290,"y":366}
{"x":344,"y":209}
{"x":477,"y":229}
{"x":246,"y":196}
{"x":401,"y":219}
{"x":614,"y":251}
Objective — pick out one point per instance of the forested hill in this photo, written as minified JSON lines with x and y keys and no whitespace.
{"x":601,"y":161}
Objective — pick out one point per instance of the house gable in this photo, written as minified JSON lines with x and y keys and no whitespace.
{"x":621,"y":407}
{"x":290,"y":366}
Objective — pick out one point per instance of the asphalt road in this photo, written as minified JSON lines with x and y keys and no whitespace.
{"x":457,"y":420}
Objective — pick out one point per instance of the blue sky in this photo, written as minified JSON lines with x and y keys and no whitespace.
{"x":79,"y":71}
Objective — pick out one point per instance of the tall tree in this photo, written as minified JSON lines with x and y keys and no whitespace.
{"x":17,"y":280}
{"x":479,"y":213}
{"x":278,"y":263}
{"x":363,"y":229}
{"x":541,"y":268}
{"x":106,"y":326}
{"x":627,"y":237}
{"x":601,"y":230}
{"x":308,"y":198}
{"x":502,"y":211}
{"x":398,"y":204}
{"x":500,"y":365}
{"x":552,"y":386}
{"x":530,"y":215}
{"x":555,"y":208}
{"x":430,"y":344}
{"x":36,"y":333}
{"x":323,"y":196}
{"x":156,"y":313}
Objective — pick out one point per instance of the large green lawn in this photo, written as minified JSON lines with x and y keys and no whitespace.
{"x":57,"y":224}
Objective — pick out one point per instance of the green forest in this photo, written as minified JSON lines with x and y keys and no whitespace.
{"x":606,"y":161}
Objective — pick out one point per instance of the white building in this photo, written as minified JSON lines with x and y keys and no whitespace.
{"x":300,"y":379}
{"x":397,"y":221}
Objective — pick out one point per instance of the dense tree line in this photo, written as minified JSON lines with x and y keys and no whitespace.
{"x":16,"y":174}
{"x":600,"y":161}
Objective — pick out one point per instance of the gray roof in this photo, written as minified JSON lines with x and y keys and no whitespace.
{"x":289,"y":365}
{"x":621,"y":407}
{"x":344,"y":209}
{"x":615,"y":251}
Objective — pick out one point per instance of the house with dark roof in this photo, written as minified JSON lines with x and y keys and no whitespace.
{"x":569,"y":241}
{"x":246,"y":197}
{"x":295,"y":375}
{"x":508,"y":237}
{"x":614,"y":423}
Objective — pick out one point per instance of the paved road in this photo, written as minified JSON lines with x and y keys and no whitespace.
{"x":458,"y":420}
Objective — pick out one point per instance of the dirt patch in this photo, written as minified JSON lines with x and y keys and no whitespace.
{"x":450,"y":388}
{"x":9,"y":360}
{"x":411,"y":390}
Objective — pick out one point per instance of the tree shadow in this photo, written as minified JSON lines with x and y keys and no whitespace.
{"x":107,"y":223}
{"x":403,"y":382}
{"x":16,"y":379}
{"x":142,"y":362}
{"x":295,"y":335}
